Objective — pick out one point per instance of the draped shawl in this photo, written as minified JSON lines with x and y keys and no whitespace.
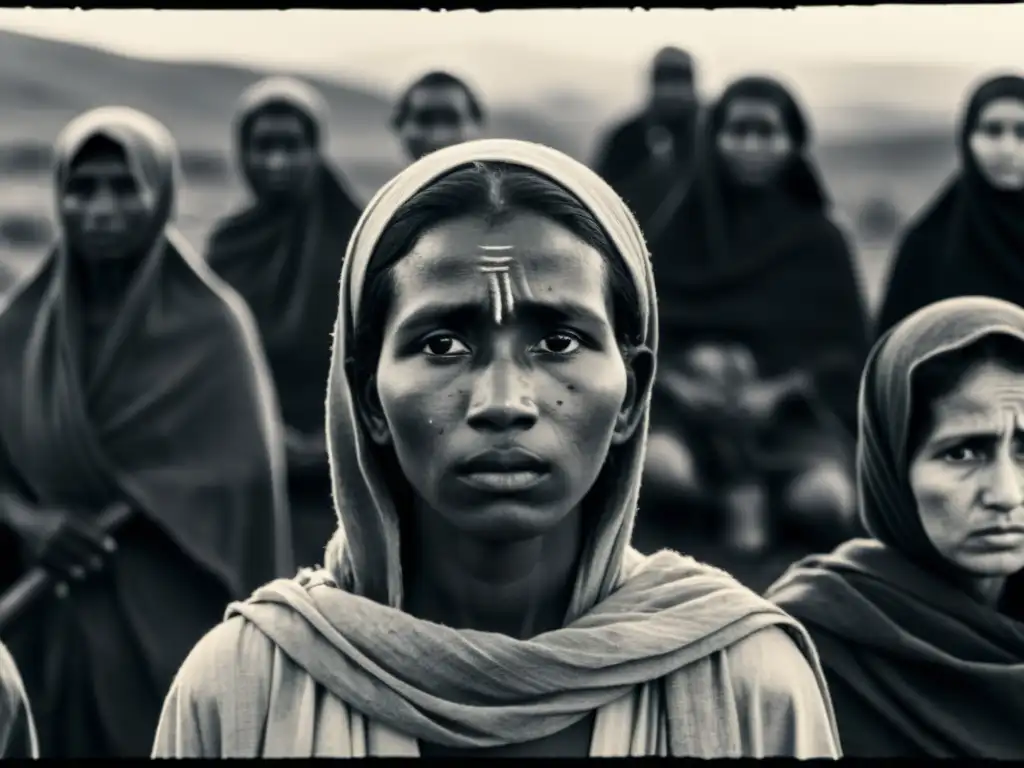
{"x":285,"y":258}
{"x":970,"y":240}
{"x":767,"y":270}
{"x":177,"y":415}
{"x":670,"y":653}
{"x":946,"y":672}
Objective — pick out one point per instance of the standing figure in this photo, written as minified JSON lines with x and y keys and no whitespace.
{"x":437,"y":111}
{"x":764,"y":333}
{"x":490,"y":383}
{"x":283,"y":254}
{"x":921,"y":627}
{"x":970,"y":241}
{"x":132,"y":379}
{"x":649,"y":159}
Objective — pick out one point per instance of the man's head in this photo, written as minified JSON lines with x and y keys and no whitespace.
{"x":436,"y":111}
{"x":673,"y":84}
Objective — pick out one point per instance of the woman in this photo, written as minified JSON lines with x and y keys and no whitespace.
{"x":971,"y":240}
{"x":17,"y":729}
{"x":921,"y":628}
{"x":283,"y":254}
{"x":132,"y":379}
{"x":487,"y":411}
{"x":764,"y":334}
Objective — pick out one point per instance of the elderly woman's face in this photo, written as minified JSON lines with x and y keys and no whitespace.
{"x":753,"y":141}
{"x":997,"y":143}
{"x":968,"y":475}
{"x":279,"y":154}
{"x":106,"y":211}
{"x":500,"y":384}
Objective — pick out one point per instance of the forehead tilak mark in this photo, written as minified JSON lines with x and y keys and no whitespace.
{"x":497,"y":269}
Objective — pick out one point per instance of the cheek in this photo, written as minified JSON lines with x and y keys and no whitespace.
{"x":944,"y":500}
{"x":421,"y":407}
{"x":583,"y":400}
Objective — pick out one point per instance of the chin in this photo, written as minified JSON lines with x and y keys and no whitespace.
{"x":992,"y":565}
{"x":506,"y":521}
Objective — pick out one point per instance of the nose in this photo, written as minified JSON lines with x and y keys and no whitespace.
{"x":101,"y":209}
{"x":1005,"y":491}
{"x":276,"y":161}
{"x":502,"y":399}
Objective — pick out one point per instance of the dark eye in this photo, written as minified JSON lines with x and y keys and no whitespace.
{"x":559,"y":344}
{"x":444,"y":346}
{"x":962,"y":454}
{"x":124,"y":186}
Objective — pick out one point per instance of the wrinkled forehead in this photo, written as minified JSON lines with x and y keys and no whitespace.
{"x":593,"y":192}
{"x":148,"y":147}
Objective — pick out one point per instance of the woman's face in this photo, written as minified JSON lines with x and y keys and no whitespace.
{"x":279,"y":155}
{"x":501,"y":385}
{"x":968,"y":476}
{"x":753,"y":141}
{"x":997,"y":143}
{"x":107,"y":212}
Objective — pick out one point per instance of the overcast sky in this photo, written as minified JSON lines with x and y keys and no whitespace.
{"x":981,"y":34}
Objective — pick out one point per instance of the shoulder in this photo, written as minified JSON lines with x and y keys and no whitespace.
{"x":231,"y":658}
{"x":769,"y":667}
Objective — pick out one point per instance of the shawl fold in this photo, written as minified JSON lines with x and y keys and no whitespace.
{"x":969,"y":241}
{"x":285,"y":261}
{"x":653,"y":645}
{"x":942,"y":669}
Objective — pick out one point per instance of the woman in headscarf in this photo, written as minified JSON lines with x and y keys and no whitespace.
{"x":17,"y":729}
{"x":488,"y":400}
{"x":921,"y":627}
{"x":971,"y":240}
{"x":764,"y":334}
{"x":132,"y":379}
{"x":283,"y":254}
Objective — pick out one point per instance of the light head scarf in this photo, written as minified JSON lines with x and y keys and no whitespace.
{"x":942,"y":670}
{"x":365,"y":554}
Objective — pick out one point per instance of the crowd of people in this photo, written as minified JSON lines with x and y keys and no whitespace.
{"x":327,"y":488}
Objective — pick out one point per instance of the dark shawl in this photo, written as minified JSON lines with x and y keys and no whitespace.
{"x":970,"y":241}
{"x":769,"y":271}
{"x":17,"y":730}
{"x":176,"y":417}
{"x":285,"y":261}
{"x":916,"y":666}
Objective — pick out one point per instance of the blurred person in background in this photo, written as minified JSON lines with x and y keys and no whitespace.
{"x":970,"y":241}
{"x":17,"y":729}
{"x":283,"y":254}
{"x":490,"y":384}
{"x":921,"y":627}
{"x":132,"y":379}
{"x":649,"y":158}
{"x":764,"y":332}
{"x":437,"y":111}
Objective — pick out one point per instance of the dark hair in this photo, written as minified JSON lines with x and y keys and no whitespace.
{"x":97,"y":145}
{"x":495,"y":191}
{"x":279,"y":108}
{"x":938,"y":377}
{"x":436,"y":79}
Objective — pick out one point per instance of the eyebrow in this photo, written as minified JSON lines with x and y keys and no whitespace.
{"x":463,"y":314}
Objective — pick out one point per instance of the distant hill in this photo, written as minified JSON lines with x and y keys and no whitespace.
{"x":44,"y":83}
